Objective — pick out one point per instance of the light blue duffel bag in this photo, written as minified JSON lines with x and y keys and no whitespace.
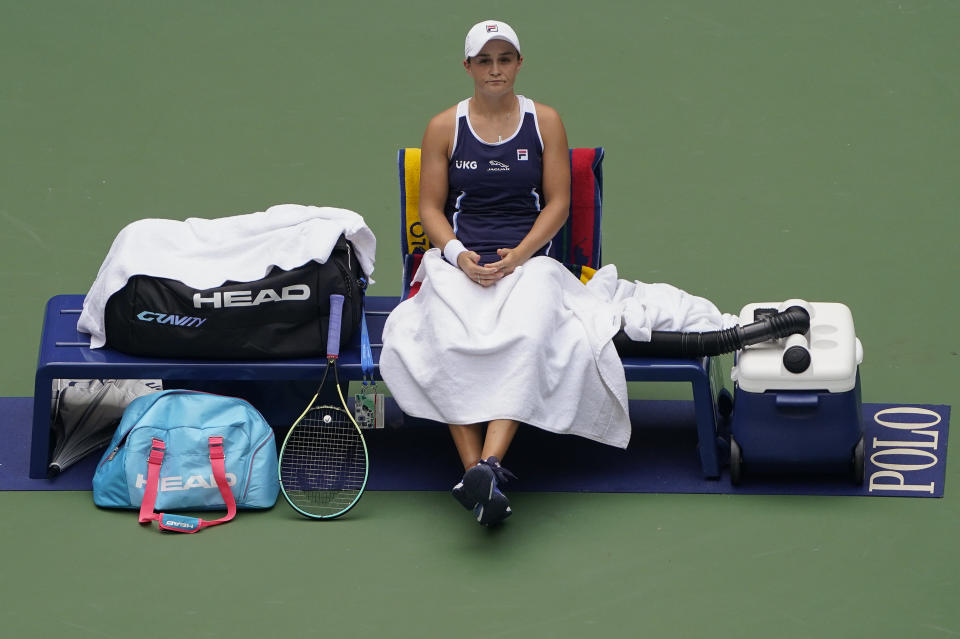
{"x":187,"y":450}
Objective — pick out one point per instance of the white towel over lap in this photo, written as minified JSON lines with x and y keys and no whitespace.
{"x":536,"y":348}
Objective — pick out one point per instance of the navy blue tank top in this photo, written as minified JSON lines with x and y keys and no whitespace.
{"x":495,"y":190}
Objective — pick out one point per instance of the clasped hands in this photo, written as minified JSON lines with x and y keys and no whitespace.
{"x":489,"y":274}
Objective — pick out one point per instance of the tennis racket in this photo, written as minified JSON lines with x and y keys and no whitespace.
{"x":323,"y":461}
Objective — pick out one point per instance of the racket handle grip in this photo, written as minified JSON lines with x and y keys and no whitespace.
{"x":333,"y":332}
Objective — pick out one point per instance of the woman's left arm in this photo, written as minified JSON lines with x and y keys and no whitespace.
{"x":556,"y":192}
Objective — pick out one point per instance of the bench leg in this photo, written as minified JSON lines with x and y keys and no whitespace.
{"x":706,"y":415}
{"x":40,"y":435}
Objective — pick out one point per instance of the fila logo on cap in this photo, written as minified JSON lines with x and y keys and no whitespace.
{"x":491,"y":28}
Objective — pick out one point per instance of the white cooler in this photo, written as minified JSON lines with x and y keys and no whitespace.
{"x":797,"y":400}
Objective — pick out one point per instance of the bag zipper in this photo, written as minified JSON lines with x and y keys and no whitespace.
{"x":113,"y":453}
{"x":166,"y":393}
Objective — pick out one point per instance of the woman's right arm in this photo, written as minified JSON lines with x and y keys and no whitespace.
{"x":434,"y":158}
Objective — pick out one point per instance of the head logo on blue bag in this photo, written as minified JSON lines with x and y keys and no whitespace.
{"x":179,"y":482}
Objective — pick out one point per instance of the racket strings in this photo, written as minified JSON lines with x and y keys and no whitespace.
{"x":324,"y":466}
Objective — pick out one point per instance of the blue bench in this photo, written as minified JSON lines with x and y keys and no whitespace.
{"x":65,"y":353}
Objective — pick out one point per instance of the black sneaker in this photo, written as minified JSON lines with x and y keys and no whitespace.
{"x":460,"y":494}
{"x":481,"y":485}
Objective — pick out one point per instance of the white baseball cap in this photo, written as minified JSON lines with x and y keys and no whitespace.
{"x":483,"y":32}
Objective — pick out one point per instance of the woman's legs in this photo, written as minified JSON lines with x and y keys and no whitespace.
{"x":500,"y":434}
{"x":469,"y":442}
{"x":473,"y":446}
{"x":480,"y":454}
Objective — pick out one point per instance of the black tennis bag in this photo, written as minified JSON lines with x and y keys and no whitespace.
{"x":283,"y":315}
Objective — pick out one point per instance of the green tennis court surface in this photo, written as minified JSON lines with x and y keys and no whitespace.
{"x":755,"y":151}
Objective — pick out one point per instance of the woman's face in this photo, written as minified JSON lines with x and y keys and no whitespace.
{"x":494,"y":69}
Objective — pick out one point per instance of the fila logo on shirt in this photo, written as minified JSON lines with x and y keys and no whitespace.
{"x":522,"y":154}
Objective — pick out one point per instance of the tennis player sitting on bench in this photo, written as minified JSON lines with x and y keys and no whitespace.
{"x":494,"y":190}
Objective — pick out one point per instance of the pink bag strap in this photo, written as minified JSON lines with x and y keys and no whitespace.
{"x":182,"y":523}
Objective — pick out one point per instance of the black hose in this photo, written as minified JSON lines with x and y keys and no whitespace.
{"x":769,"y":325}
